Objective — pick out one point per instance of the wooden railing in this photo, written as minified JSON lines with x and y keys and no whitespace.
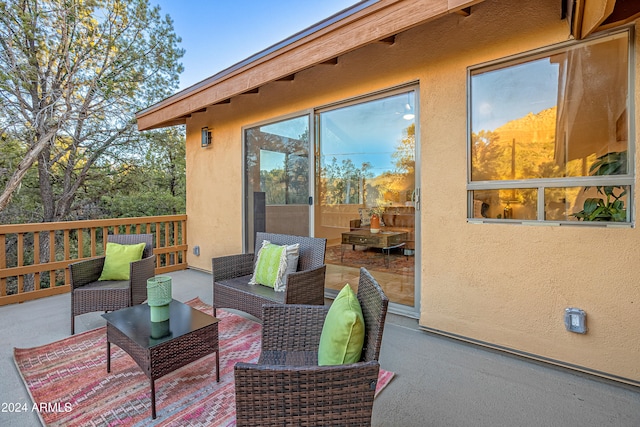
{"x":34,"y":258}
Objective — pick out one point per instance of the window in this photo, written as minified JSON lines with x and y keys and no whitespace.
{"x":549,"y":137}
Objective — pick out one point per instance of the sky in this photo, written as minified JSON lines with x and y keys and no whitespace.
{"x":510,"y":93}
{"x":217,"y":34}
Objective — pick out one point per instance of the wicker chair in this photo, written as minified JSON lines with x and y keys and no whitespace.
{"x":231,"y":275}
{"x":287,"y":387}
{"x":88,"y":294}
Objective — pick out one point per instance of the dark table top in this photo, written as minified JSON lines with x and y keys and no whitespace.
{"x":135,"y":323}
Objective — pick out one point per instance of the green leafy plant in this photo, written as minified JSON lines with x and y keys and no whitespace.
{"x":610,"y":208}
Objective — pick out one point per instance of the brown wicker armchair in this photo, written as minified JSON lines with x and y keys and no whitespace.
{"x":231,"y":275}
{"x":287,"y":387}
{"x":88,"y":294}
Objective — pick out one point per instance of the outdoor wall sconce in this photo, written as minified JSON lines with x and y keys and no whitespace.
{"x":206,"y":137}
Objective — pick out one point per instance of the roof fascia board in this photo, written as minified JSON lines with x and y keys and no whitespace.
{"x":346,"y":31}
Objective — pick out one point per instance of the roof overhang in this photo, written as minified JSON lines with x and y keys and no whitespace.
{"x":364,"y":23}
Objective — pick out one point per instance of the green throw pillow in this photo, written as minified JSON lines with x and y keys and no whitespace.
{"x":342,"y":335}
{"x":117,"y":260}
{"x":271,"y":266}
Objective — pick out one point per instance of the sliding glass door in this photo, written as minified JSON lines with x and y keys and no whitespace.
{"x":276,"y":157}
{"x":356,"y":188}
{"x":366,"y":191}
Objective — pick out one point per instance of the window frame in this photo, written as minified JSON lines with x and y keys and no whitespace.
{"x":540,"y":184}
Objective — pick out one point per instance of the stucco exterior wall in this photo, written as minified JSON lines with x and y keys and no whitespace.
{"x":506,"y":285}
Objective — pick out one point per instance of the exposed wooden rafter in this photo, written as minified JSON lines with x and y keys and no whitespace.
{"x":332,"y":61}
{"x":388,"y":40}
{"x":288,"y":78}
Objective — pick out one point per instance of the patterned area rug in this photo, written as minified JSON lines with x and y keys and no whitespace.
{"x":67,"y":379}
{"x":371,"y":258}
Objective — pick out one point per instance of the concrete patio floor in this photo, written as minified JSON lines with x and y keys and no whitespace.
{"x":438,"y":382}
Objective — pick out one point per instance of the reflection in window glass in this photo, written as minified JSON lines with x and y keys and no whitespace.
{"x":367,"y":153}
{"x":552,"y":116}
{"x":556,"y":123}
{"x":518,"y":203}
{"x":594,"y":203}
{"x":277,"y":161}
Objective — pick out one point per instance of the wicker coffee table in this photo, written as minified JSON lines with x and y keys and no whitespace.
{"x":162,"y":347}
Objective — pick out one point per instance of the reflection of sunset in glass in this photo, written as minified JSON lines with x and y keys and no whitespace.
{"x":551,"y":117}
{"x":368,"y":153}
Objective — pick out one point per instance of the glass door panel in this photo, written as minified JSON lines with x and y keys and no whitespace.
{"x":277,"y":178}
{"x":365,"y":166}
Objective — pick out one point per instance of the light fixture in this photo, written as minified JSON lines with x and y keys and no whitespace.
{"x":409,"y":114}
{"x":408,"y":111}
{"x":205,"y":137}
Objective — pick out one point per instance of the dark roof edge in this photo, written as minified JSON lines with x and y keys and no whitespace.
{"x":286,"y":42}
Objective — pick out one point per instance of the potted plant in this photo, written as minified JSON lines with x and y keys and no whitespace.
{"x":610,"y":208}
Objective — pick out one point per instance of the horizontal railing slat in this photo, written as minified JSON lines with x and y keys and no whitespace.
{"x":70,"y":225}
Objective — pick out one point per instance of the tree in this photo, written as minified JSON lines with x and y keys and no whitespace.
{"x":487,"y":156}
{"x":72,"y":75}
{"x":156,"y":186}
{"x":343,"y":183}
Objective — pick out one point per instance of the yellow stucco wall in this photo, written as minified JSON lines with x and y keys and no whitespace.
{"x":503,"y":284}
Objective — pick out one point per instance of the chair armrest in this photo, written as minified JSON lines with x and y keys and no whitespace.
{"x":140,"y":272}
{"x":86,"y":271}
{"x":328,"y":395}
{"x":292,"y":327}
{"x":306,"y":287}
{"x":230,"y":266}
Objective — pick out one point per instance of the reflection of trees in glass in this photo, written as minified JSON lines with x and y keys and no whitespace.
{"x":405,"y":154}
{"x":272,"y":182}
{"x":286,"y":185}
{"x":485,"y":155}
{"x":520,"y":149}
{"x":343,"y":183}
{"x":397,"y":186}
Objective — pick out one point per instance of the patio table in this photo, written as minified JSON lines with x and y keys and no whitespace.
{"x":160,"y":348}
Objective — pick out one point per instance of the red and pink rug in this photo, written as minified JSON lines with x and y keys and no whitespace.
{"x":68,"y":380}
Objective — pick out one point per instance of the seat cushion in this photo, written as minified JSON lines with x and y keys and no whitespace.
{"x":106,"y":284}
{"x":118,"y":259}
{"x":288,"y":358}
{"x":342,"y":334}
{"x":241,"y":285}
